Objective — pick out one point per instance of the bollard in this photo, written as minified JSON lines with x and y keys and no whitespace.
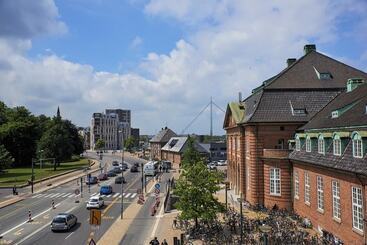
{"x":29,"y":216}
{"x":53,"y":204}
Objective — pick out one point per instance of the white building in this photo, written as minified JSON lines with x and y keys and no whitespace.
{"x":105,"y":126}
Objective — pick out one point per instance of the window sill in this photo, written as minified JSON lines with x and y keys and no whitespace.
{"x":321,"y":211}
{"x":307,"y":203}
{"x":359,"y":232}
{"x":337,"y":220}
{"x":276,"y":195}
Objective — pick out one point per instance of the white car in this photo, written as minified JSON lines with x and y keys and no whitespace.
{"x":222,"y":163}
{"x":95,"y":202}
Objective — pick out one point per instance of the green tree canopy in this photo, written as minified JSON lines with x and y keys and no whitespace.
{"x":5,"y":158}
{"x":99,"y":144}
{"x":190,"y":156}
{"x":129,"y":143}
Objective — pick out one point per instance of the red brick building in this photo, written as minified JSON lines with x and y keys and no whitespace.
{"x":330,"y":166}
{"x":259,"y":127}
{"x":158,"y":141}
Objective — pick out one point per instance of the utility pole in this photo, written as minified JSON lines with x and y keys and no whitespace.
{"x":211,"y":119}
{"x":142,"y":177}
{"x":32,"y":177}
{"x":241,"y":221}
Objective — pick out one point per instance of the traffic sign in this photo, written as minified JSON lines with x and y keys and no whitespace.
{"x":92,"y":242}
{"x":157,"y":186}
{"x":77,"y":192}
{"x":95,"y":217}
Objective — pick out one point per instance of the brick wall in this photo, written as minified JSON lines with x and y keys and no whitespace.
{"x":173,"y":157}
{"x":343,"y":228}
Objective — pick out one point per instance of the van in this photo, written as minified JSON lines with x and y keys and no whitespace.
{"x":151,"y":168}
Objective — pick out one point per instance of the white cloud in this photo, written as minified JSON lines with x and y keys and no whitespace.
{"x":231,"y":47}
{"x":136,"y":42}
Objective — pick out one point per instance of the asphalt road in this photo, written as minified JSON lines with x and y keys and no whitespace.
{"x":16,"y":230}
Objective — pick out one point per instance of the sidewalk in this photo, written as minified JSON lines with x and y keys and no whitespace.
{"x":49,"y":184}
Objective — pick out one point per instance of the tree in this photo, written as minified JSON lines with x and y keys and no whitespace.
{"x":74,"y":137}
{"x":129,"y":143}
{"x":99,"y":144}
{"x":196,"y":187}
{"x":5,"y":158}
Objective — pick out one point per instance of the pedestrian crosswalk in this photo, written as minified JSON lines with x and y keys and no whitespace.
{"x":70,"y":195}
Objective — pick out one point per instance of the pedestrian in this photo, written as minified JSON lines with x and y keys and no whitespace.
{"x":164,"y":242}
{"x":160,"y":168}
{"x":154,"y":241}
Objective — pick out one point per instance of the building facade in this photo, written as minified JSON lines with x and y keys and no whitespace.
{"x":124,"y":130}
{"x":105,"y":127}
{"x":216,"y":150}
{"x":158,"y":141}
{"x":85,"y":134}
{"x":135,"y":132}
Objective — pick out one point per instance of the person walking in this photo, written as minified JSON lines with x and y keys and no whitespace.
{"x":164,"y":242}
{"x":154,"y":241}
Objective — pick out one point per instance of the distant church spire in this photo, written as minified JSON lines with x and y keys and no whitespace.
{"x":58,"y":113}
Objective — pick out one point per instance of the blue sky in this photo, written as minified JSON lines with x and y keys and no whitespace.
{"x":162,"y":59}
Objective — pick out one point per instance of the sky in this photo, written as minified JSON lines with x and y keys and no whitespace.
{"x":162,"y":59}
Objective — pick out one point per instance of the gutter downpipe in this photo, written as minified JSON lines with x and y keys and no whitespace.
{"x":363,"y":207}
{"x":257,"y":162}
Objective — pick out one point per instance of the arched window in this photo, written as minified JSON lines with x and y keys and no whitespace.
{"x":337,"y":145}
{"x":308,"y":144}
{"x":321,"y":145}
{"x":357,"y":145}
{"x":298,"y":143}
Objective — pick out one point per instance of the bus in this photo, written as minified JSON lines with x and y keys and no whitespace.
{"x":151,"y":168}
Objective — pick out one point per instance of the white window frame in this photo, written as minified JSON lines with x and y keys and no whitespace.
{"x":321,"y":145}
{"x":337,"y":145}
{"x":357,"y":208}
{"x":296,"y":185}
{"x":308,"y":144}
{"x":275,"y":183}
{"x":335,"y":186}
{"x":320,"y":193}
{"x":357,"y":146}
{"x":298,"y":144}
{"x":307,"y":188}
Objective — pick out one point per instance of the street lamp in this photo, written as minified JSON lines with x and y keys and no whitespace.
{"x":265,"y":229}
{"x":122,"y":174}
{"x":241,"y":218}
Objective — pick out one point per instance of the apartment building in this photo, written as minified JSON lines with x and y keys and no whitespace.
{"x":105,"y":127}
{"x":158,"y":141}
{"x":124,"y":118}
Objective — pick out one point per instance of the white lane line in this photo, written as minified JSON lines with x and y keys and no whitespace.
{"x":133,"y":195}
{"x":33,"y":217}
{"x":38,"y":195}
{"x":127,"y":195}
{"x":40,"y":229}
{"x":158,"y":218}
{"x":117,"y":194}
{"x":48,"y":195}
{"x":95,"y":193}
{"x":109,"y":195}
{"x":69,"y":235}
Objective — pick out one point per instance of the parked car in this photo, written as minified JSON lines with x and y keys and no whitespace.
{"x":124,"y":166}
{"x":119,"y":180}
{"x":222,"y":163}
{"x":95,"y":202}
{"x":105,"y":190}
{"x":117,"y":170}
{"x":111,"y":173}
{"x":134,"y":169}
{"x":92,"y":180}
{"x":63,"y":222}
{"x":102,"y":176}
{"x":136,"y":164}
{"x":115,"y":163}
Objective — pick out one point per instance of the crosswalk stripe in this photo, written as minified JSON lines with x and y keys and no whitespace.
{"x":58,"y":195}
{"x":53,"y":195}
{"x":35,"y":196}
{"x":103,"y":195}
{"x":72,"y":195}
{"x":133,"y":195}
{"x":117,"y":194}
{"x":65,"y":195}
{"x":127,"y":195}
{"x":95,"y":193}
{"x":109,"y":195}
{"x":48,"y":195}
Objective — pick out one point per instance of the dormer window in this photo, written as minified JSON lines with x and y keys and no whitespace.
{"x":308,"y":144}
{"x":335,"y":114}
{"x":298,"y":144}
{"x":299,"y":112}
{"x":325,"y":76}
{"x":357,"y":146}
{"x":337,"y":145}
{"x":321,"y":145}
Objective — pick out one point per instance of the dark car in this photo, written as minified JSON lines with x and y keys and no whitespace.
{"x":111,"y":173}
{"x":134,"y":169}
{"x":92,"y":180}
{"x":117,"y":170}
{"x":63,"y":222}
{"x":119,"y":180}
{"x":115,"y":163}
{"x":124,"y":165}
{"x":102,"y":176}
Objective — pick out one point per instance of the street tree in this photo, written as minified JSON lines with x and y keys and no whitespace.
{"x":100,"y":144}
{"x":5,"y":158}
{"x":196,"y":187}
{"x":129,"y":143}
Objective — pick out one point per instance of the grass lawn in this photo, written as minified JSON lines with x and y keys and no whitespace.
{"x":20,"y":176}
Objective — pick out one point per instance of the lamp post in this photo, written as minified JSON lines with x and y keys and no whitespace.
{"x":32,"y":177}
{"x":265,"y":229}
{"x":122,"y":174}
{"x":241,"y":220}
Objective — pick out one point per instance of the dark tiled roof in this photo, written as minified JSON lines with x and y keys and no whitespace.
{"x":163,"y":136}
{"x":354,"y":116}
{"x":276,"y":106}
{"x":346,"y":162}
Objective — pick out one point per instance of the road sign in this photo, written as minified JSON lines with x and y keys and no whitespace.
{"x":157,"y":191}
{"x":77,"y":191}
{"x":95,"y":217}
{"x":157,"y":186}
{"x":92,"y":242}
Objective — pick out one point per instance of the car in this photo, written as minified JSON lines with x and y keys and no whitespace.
{"x":63,"y":222}
{"x":105,"y":190}
{"x":102,"y":176}
{"x":134,"y":169}
{"x":136,"y":164}
{"x":119,"y":180}
{"x":124,"y":166}
{"x":111,"y":173}
{"x":95,"y":202}
{"x":222,"y":163}
{"x":117,"y":170}
{"x":115,"y":163}
{"x":91,"y":180}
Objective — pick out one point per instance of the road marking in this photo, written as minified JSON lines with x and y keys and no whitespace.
{"x":16,"y":227}
{"x":133,"y":195}
{"x":109,"y":195}
{"x":95,"y":193}
{"x":158,"y":218}
{"x":40,"y":229}
{"x":65,"y":195}
{"x":127,"y":195}
{"x":58,"y":195}
{"x":72,"y":195}
{"x":103,"y":195}
{"x":19,"y":232}
{"x":48,"y":195}
{"x":69,"y":235}
{"x":117,"y":194}
{"x":38,"y":195}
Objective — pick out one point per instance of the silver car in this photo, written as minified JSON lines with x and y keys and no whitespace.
{"x":63,"y":222}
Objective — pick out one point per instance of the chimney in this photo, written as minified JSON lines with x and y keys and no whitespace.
{"x":308,"y":48}
{"x":239,"y":97}
{"x":290,"y":61}
{"x":353,"y":83}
